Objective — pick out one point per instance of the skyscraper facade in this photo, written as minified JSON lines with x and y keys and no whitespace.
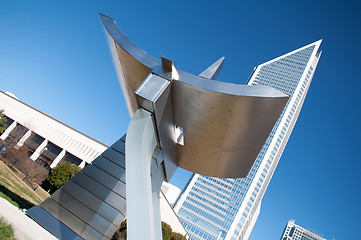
{"x":294,"y":232}
{"x":220,"y":208}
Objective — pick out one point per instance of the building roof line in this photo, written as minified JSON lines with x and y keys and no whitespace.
{"x":316,"y":44}
{"x":54,"y":119}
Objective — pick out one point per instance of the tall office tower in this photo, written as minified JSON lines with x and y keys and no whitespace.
{"x":295,"y":232}
{"x":214,"y":208}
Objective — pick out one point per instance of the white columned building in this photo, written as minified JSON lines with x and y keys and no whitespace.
{"x":67,"y":140}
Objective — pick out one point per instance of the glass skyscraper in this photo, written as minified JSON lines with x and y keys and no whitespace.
{"x":220,"y":208}
{"x":294,"y":232}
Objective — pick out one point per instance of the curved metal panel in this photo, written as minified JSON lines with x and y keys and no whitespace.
{"x":223,"y":133}
{"x":139,"y":54}
{"x":132,"y":63}
{"x":229,"y":88}
{"x":224,"y":125}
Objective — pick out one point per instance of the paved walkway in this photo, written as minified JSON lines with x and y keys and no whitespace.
{"x":25,"y":228}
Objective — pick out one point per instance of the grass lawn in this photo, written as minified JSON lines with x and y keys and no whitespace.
{"x":6,"y":231}
{"x":13,"y":189}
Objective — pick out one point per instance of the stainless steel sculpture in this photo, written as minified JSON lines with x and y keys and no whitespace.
{"x":200,"y":124}
{"x":224,"y":125}
{"x":178,"y":119}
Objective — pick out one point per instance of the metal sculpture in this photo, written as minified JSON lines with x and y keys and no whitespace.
{"x":200,"y":124}
{"x":178,"y":120}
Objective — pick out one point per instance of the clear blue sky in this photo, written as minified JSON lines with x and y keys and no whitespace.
{"x":54,"y":56}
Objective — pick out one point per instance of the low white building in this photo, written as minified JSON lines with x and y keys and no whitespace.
{"x":50,"y":142}
{"x":51,"y":138}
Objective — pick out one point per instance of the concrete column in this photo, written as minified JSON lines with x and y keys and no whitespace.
{"x":39,"y":150}
{"x":82,"y":164}
{"x":23,"y":139}
{"x":8,"y":130}
{"x":58,"y":158}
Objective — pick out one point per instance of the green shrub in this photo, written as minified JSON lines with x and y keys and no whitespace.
{"x":62,"y":173}
{"x":6,"y":231}
{"x":177,"y":236}
{"x":121,"y":233}
{"x":166,"y":231}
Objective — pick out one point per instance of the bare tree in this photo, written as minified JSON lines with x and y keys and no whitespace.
{"x":18,"y":157}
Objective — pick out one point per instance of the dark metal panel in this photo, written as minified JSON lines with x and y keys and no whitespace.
{"x":81,"y":211}
{"x":123,"y":138}
{"x":107,"y":229}
{"x":51,"y":224}
{"x":101,"y":192}
{"x":106,"y":179}
{"x":119,"y":146}
{"x":63,"y":215}
{"x":90,"y":233}
{"x":110,"y":167}
{"x":114,"y":156}
{"x":94,"y":203}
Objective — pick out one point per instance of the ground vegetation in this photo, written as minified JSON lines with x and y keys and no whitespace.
{"x":167,"y":232}
{"x":14,"y":189}
{"x":62,"y":173}
{"x":6,"y":231}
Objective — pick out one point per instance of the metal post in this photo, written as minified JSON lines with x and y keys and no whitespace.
{"x":142,"y":202}
{"x":157,"y":180}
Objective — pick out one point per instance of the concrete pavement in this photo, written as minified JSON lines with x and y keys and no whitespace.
{"x":25,"y":228}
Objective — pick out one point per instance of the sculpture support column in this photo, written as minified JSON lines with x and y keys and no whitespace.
{"x":157,"y":180}
{"x":142,"y":208}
